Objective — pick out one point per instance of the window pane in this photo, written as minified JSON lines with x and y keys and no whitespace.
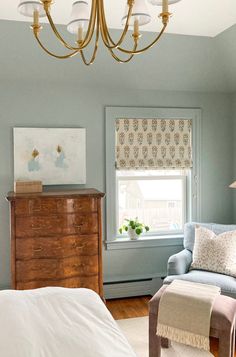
{"x":151,"y":173}
{"x":157,"y":203}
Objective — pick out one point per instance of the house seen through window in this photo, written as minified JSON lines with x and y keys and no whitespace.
{"x":156,"y":197}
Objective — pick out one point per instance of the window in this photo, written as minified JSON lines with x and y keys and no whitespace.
{"x":156,"y":197}
{"x":136,"y":164}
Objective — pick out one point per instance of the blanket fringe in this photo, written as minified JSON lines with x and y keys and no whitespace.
{"x":184,"y":337}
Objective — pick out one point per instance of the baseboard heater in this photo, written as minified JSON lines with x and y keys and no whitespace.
{"x":122,"y":289}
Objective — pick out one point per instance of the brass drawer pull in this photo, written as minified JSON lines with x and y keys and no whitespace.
{"x":36,"y":250}
{"x":78,"y":225}
{"x":35,"y":227}
{"x":75,"y":206}
{"x":35,"y":206}
{"x":79,"y":266}
{"x":77,"y":246}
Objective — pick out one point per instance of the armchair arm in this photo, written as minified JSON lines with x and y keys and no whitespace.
{"x":179,"y":263}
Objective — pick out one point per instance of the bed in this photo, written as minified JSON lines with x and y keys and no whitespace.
{"x":58,"y":322}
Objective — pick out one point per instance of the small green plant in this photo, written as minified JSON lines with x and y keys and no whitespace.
{"x":134,"y":224}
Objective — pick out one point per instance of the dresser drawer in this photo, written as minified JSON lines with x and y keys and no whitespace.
{"x":56,"y":247}
{"x":36,"y":206}
{"x":78,"y":282}
{"x":56,"y":269}
{"x":41,"y":226}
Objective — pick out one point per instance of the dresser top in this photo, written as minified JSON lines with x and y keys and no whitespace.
{"x":59,"y":194}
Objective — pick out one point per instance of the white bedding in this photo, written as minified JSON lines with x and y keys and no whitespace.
{"x":58,"y":322}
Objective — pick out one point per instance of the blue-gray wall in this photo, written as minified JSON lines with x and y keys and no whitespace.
{"x":183,"y":72}
{"x":233,"y":100}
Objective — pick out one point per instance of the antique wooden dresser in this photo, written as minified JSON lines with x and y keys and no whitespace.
{"x":56,"y":239}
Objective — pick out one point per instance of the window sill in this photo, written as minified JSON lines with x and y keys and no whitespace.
{"x":147,"y":242}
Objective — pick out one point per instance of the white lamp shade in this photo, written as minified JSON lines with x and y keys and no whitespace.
{"x":233,"y":185}
{"x":80,"y":16}
{"x":159,"y":2}
{"x":27,"y":8}
{"x":140,"y":12}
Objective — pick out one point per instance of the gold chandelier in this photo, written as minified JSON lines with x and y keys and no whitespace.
{"x":90,"y":21}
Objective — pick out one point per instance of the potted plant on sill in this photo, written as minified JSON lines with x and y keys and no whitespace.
{"x":134,"y":228}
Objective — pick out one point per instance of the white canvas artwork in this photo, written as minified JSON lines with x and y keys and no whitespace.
{"x":53,"y":156}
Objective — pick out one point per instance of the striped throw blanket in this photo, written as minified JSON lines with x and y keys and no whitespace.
{"x":185,"y":313}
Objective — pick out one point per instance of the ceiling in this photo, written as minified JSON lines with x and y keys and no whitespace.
{"x":191,"y":17}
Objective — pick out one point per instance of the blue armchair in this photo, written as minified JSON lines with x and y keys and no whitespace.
{"x":179,"y":264}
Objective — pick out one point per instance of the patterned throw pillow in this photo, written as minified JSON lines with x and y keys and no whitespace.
{"x":215,"y":253}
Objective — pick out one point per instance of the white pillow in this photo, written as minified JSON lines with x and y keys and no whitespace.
{"x":215,"y":253}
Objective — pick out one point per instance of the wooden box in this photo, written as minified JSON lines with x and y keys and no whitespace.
{"x":28,"y":186}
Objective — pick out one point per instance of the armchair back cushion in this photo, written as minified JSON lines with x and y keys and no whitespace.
{"x":189,"y":231}
{"x":216,"y":253}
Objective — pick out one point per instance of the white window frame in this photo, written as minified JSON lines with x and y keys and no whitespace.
{"x":172,"y":177}
{"x":193,"y":181}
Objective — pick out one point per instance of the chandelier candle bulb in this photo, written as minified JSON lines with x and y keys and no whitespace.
{"x":165,"y":6}
{"x":136,"y":27}
{"x":80,"y":34}
{"x":36,"y":18}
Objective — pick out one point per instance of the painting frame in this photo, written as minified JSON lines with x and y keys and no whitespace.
{"x":55,"y":156}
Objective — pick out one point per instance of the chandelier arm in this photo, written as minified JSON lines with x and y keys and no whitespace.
{"x":109,"y":43}
{"x":52,"y":54}
{"x":137,"y":52}
{"x":111,"y":50}
{"x":119,"y":59}
{"x":106,"y":35}
{"x":88,"y":63}
{"x":89,"y":33}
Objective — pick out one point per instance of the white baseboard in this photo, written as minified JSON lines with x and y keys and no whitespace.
{"x":132,"y":288}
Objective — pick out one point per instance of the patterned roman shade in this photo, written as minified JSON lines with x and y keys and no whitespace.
{"x":153,"y":144}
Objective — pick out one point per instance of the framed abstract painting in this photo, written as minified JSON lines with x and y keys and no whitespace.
{"x":55,"y":156}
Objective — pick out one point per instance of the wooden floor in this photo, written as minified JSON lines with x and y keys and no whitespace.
{"x":128,"y":308}
{"x":138,"y":307}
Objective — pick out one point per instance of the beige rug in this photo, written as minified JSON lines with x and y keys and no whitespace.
{"x":136,"y":332}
